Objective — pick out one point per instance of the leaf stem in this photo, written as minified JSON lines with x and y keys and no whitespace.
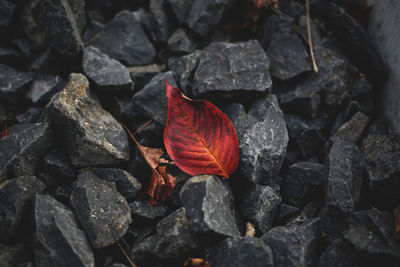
{"x":315,"y":67}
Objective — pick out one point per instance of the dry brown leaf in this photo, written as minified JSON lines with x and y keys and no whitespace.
{"x":4,"y":130}
{"x":250,"y":230}
{"x":396,"y":214}
{"x":196,"y":262}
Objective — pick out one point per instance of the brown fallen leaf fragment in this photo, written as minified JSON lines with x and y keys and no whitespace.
{"x":250,"y":230}
{"x":396,"y":214}
{"x":196,"y":262}
{"x":161,"y":183}
{"x":4,"y":130}
{"x":265,"y":3}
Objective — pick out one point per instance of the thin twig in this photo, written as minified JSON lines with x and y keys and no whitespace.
{"x":309,"y":36}
{"x":141,"y":127}
{"x":126,"y":255}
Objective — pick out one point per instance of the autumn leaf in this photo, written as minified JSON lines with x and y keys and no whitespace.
{"x":196,"y":262}
{"x":199,"y":137}
{"x":161,"y":183}
{"x":4,"y":130}
{"x":396,"y":215}
{"x":265,"y":3}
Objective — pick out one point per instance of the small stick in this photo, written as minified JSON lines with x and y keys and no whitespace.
{"x":126,"y":255}
{"x":309,"y":36}
{"x":141,"y":127}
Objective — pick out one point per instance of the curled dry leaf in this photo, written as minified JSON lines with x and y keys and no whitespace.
{"x":250,"y":230}
{"x":4,"y":130}
{"x":396,"y":214}
{"x":161,"y":183}
{"x":196,"y":262}
{"x":199,"y":137}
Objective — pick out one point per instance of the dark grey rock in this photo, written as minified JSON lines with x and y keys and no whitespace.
{"x":92,"y":135}
{"x":162,"y":24}
{"x":15,"y":196}
{"x":288,"y":56}
{"x":263,"y":140}
{"x":23,"y":148}
{"x":174,"y":239}
{"x":32,"y":115}
{"x":78,"y":9}
{"x":59,"y":239}
{"x":234,"y":111}
{"x":57,"y":164}
{"x":124,"y":39}
{"x":101,"y":209}
{"x":180,"y":42}
{"x":209,"y":206}
{"x":10,"y":54}
{"x":356,"y":40}
{"x":232,"y":68}
{"x":240,"y":251}
{"x":181,"y":9}
{"x":316,"y":33}
{"x":12,"y":255}
{"x":271,"y":25}
{"x":152,"y":100}
{"x":346,"y":169}
{"x":147,"y":211}
{"x":295,"y":245}
{"x":345,"y":115}
{"x":7,"y":9}
{"x":43,"y":88}
{"x":338,"y":254}
{"x":141,"y":75}
{"x":183,"y":68}
{"x":302,"y":180}
{"x":205,"y":14}
{"x":381,"y":152}
{"x":13,"y":83}
{"x":54,"y":23}
{"x":285,"y":212}
{"x":91,"y":30}
{"x":107,"y":74}
{"x":126,"y":184}
{"x":259,"y":206}
{"x":353,"y":129}
{"x":360,"y":86}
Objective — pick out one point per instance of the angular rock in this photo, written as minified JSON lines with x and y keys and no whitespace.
{"x":232,"y":68}
{"x":13,"y":83}
{"x":101,"y":209}
{"x":180,"y":42}
{"x":174,"y":240}
{"x":147,"y":211}
{"x":381,"y":152}
{"x":295,"y":245}
{"x":15,"y":195}
{"x":53,"y":23}
{"x":32,"y":115}
{"x":124,"y":39}
{"x":338,"y":254}
{"x":12,"y":255}
{"x":107,"y":74}
{"x":259,"y":206}
{"x":23,"y":148}
{"x":92,"y":135}
{"x":141,"y":75}
{"x":240,"y":251}
{"x":7,"y":9}
{"x":183,"y":68}
{"x":302,"y":180}
{"x":288,"y":56}
{"x":209,"y":206}
{"x":56,"y":163}
{"x":353,"y":128}
{"x":271,"y":25}
{"x":92,"y":29}
{"x":59,"y":239}
{"x":346,"y":169}
{"x":285,"y":212}
{"x":162,"y":25}
{"x":126,"y":184}
{"x":205,"y":14}
{"x":43,"y":88}
{"x":151,"y":100}
{"x":181,"y":9}
{"x":263,"y":140}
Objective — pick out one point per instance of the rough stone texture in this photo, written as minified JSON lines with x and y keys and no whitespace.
{"x":288,"y":56}
{"x":147,"y":211}
{"x":7,"y":8}
{"x":183,"y":68}
{"x":162,"y":25}
{"x":263,"y":139}
{"x":92,"y":135}
{"x":23,"y":148}
{"x":59,"y":240}
{"x":346,"y":169}
{"x":13,"y":83}
{"x":232,"y":68}
{"x":43,"y":88}
{"x":57,"y":164}
{"x":31,"y":115}
{"x":13,"y":255}
{"x":126,"y":184}
{"x":209,"y":206}
{"x":259,"y":206}
{"x":124,"y":39}
{"x":174,"y":239}
{"x":107,"y":74}
{"x":356,"y":40}
{"x":353,"y":129}
{"x":338,"y":254}
{"x":141,"y":75}
{"x":294,"y":245}
{"x":240,"y":251}
{"x":271,"y":25}
{"x":382,"y":153}
{"x":181,"y":8}
{"x":181,"y":42}
{"x":151,"y":100}
{"x":15,"y":195}
{"x":302,"y":180}
{"x":53,"y":23}
{"x":101,"y":209}
{"x":92,"y":29}
{"x":205,"y":14}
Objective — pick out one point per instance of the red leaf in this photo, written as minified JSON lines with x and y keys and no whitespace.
{"x":265,"y":3}
{"x":196,"y":262}
{"x":4,"y":130}
{"x":199,"y":138}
